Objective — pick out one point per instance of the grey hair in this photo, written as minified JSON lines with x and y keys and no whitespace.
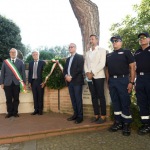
{"x":35,"y":51}
{"x":14,"y":49}
{"x":73,"y":44}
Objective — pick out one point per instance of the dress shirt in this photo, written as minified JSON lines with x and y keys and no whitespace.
{"x":13,"y":59}
{"x":70,"y":62}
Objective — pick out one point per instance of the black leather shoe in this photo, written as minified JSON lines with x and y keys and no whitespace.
{"x":34,"y":113}
{"x":100,"y":121}
{"x":72,"y":118}
{"x":115,"y":127}
{"x":16,"y":115}
{"x":94,"y":120}
{"x":8,"y":115}
{"x":145,"y":129}
{"x":40,"y":113}
{"x":126,"y":129}
{"x":78,"y":120}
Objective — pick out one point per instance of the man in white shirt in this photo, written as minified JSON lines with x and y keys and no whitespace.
{"x":94,"y":69}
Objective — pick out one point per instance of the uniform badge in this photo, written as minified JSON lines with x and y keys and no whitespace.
{"x":120,"y":52}
{"x":149,"y":50}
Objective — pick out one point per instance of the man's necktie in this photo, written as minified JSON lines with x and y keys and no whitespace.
{"x":13,"y":61}
{"x":35,"y":70}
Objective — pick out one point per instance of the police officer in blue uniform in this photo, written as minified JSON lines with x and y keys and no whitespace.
{"x":120,"y":75}
{"x":142,"y":58}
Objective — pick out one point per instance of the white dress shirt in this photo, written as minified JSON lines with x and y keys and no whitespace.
{"x":13,"y":59}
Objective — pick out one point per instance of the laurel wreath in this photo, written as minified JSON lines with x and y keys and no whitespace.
{"x":56,"y":79}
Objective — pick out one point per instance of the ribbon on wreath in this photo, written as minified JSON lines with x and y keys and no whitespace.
{"x":56,"y":62}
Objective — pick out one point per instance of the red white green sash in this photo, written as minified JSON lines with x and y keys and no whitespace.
{"x":16,"y":73}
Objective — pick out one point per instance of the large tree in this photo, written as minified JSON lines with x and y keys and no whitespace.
{"x":9,"y":38}
{"x":87,"y":15}
{"x":131,"y":26}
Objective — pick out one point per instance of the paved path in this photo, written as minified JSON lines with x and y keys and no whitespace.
{"x":93,"y":140}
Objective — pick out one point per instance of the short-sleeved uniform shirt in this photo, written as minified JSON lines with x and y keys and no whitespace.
{"x":142,"y":58}
{"x":118,"y":62}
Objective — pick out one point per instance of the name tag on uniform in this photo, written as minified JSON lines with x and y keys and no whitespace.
{"x":137,"y":53}
{"x":149,"y":50}
{"x":120,"y":52}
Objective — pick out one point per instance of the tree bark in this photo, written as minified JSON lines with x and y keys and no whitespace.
{"x":87,"y":15}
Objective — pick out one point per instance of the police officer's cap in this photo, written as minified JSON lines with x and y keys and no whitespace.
{"x":144,"y":33}
{"x":118,"y":37}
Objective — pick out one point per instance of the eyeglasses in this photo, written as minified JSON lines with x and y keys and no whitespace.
{"x":115,"y":41}
{"x":71,"y":46}
{"x":142,"y":38}
{"x":12,"y":52}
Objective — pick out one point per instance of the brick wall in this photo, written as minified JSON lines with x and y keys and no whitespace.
{"x":63,"y":103}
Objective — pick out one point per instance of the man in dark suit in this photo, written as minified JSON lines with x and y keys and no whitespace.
{"x":73,"y":73}
{"x":35,"y":82}
{"x":10,"y":83}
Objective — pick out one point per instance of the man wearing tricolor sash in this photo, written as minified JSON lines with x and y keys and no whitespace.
{"x":12,"y":80}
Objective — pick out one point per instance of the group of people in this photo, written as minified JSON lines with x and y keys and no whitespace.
{"x":120,"y":68}
{"x":13,"y":76}
{"x":123,"y":72}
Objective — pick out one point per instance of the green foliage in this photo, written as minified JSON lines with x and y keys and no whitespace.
{"x":9,"y":38}
{"x":136,"y":121}
{"x":44,"y":55}
{"x":56,"y":80}
{"x":130,"y":27}
{"x":49,"y":53}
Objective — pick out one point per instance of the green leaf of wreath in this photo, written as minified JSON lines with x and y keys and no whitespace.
{"x":56,"y":80}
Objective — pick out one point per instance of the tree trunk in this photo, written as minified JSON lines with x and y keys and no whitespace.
{"x":87,"y":15}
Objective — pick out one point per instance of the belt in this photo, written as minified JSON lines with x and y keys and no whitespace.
{"x":142,"y":73}
{"x":119,"y":76}
{"x":34,"y":79}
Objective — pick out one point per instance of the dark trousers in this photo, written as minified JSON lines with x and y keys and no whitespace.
{"x":120,"y":99}
{"x":143,"y":97}
{"x":96,"y":88}
{"x":38,"y":93}
{"x":12,"y":98}
{"x":75,"y":92}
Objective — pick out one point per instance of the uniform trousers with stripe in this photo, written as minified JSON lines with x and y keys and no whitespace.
{"x":120,"y":99}
{"x":143,"y":97}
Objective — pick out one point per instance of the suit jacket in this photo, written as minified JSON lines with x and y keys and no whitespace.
{"x":7,"y":75}
{"x":95,"y":62}
{"x":76,"y":69}
{"x":40,"y":67}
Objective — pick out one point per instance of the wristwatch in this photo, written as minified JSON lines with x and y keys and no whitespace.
{"x":132,"y":83}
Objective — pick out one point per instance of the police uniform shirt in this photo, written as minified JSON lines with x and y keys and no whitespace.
{"x":118,"y":62}
{"x":142,"y":58}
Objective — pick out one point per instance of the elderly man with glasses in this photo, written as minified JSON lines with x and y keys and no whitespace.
{"x":142,"y":58}
{"x":120,"y":75}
